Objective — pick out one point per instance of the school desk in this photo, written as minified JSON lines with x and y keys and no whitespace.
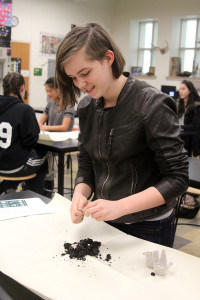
{"x":31,"y":253}
{"x":61,"y":148}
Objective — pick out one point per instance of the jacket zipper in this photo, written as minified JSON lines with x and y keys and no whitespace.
{"x":100,"y":120}
{"x":133,"y":185}
{"x":109,"y":146}
{"x":110,"y":139}
{"x":105,"y":179}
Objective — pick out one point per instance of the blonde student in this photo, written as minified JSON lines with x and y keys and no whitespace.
{"x":58,"y":120}
{"x":131,"y":156}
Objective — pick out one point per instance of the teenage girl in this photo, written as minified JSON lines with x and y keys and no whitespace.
{"x":189,"y":116}
{"x":131,"y":158}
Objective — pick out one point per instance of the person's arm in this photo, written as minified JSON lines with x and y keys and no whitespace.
{"x":84,"y":184}
{"x":105,"y":210}
{"x":29,"y":129}
{"x":162,"y":134}
{"x":64,"y":127}
{"x":42,"y":121}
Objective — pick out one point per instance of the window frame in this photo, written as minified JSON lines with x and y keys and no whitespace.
{"x":150,"y":49}
{"x":196,"y":48}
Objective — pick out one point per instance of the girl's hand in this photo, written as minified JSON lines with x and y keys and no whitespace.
{"x":103,"y":210}
{"x":76,"y":210}
{"x":42,"y":127}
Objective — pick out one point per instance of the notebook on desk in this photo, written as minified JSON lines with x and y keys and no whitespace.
{"x":58,"y":136}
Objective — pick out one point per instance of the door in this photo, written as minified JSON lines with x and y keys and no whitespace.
{"x":21,"y":50}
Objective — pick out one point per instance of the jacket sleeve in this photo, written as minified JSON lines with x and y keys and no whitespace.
{"x":163,"y":138}
{"x":29,"y":128}
{"x":85,"y":168}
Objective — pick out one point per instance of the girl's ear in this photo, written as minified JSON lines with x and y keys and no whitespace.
{"x":109,"y":57}
{"x":22,"y":87}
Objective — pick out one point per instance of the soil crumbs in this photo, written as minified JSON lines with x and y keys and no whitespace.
{"x":82,"y":248}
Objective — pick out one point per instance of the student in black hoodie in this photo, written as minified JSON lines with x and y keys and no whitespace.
{"x":19,"y":133}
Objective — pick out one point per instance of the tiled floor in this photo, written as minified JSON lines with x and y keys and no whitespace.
{"x":187,"y":237}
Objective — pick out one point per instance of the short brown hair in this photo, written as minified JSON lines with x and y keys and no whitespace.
{"x":96,"y":41}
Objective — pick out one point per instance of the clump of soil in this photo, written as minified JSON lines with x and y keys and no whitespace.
{"x":81,"y":249}
{"x":108,"y":257}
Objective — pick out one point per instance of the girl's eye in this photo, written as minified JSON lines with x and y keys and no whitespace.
{"x":85,"y":74}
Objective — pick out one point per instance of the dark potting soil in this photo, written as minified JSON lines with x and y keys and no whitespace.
{"x":82,"y":248}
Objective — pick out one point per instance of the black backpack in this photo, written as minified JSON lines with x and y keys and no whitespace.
{"x":189,"y":206}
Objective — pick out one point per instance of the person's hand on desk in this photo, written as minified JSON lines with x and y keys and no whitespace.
{"x":42,"y":127}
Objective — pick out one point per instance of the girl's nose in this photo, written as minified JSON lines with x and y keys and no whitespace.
{"x":81,"y":83}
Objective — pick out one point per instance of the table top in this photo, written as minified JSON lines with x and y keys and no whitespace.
{"x":64,"y":146}
{"x":24,"y":195}
{"x":40,"y":239}
{"x":38,"y":109}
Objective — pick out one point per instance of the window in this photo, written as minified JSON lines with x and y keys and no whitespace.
{"x":189,"y":48}
{"x":147,"y":38}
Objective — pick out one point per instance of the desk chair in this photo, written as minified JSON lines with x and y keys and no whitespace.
{"x":6,"y":179}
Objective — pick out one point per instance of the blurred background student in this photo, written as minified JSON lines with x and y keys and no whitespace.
{"x":188,"y":109}
{"x":19,"y":153}
{"x":58,"y":120}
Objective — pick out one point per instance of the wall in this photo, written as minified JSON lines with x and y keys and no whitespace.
{"x":166,"y":12}
{"x":54,"y":17}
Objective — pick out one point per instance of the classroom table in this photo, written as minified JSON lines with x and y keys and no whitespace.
{"x":31,"y":254}
{"x":72,"y":146}
{"x":61,"y":148}
{"x":39,"y":110}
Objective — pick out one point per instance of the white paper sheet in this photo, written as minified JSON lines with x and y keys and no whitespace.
{"x":15,"y":208}
{"x":58,"y":136}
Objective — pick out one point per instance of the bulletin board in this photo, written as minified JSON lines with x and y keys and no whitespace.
{"x":6,"y":13}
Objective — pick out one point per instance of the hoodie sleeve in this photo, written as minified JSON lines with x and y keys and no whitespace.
{"x":29,"y":128}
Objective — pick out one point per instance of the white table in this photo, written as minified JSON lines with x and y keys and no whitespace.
{"x":31,"y":247}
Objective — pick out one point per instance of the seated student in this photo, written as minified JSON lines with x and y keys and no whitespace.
{"x":58,"y":120}
{"x":189,"y":117}
{"x":62,"y":120}
{"x":19,"y":133}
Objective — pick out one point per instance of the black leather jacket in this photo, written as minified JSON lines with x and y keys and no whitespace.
{"x":132,"y":146}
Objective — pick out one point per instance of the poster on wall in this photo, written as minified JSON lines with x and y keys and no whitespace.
{"x":50,"y":43}
{"x":5,"y":36}
{"x":6,"y":13}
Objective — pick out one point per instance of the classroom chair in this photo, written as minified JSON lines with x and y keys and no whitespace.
{"x":5,"y":186}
